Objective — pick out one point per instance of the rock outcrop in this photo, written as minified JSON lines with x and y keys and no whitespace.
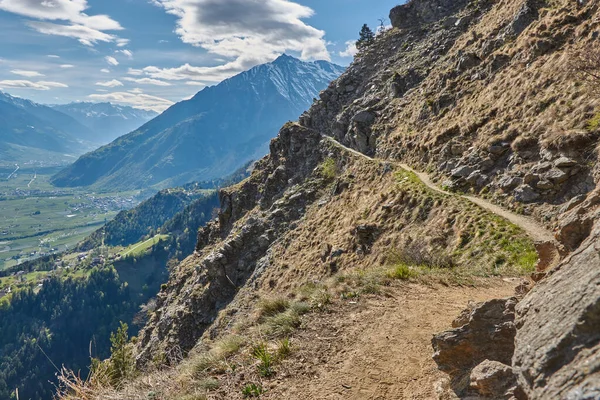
{"x":487,"y":335}
{"x":252,"y":216}
{"x":557,"y":346}
{"x":420,"y":13}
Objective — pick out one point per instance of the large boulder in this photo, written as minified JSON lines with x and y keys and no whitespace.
{"x":488,"y":334}
{"x":557,"y":345}
{"x":492,"y":379}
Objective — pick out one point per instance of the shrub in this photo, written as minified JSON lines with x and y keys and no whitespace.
{"x":586,"y":65}
{"x":329,"y":169}
{"x":401,"y":272}
{"x":418,"y":254}
{"x":121,"y":364}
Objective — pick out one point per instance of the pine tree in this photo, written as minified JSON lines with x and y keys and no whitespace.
{"x":122,"y":362}
{"x":366,"y":37}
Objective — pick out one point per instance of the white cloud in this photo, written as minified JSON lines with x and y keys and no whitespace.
{"x":127,"y":53}
{"x":53,"y":56}
{"x":86,"y":35}
{"x":351,"y":49}
{"x":28,"y":74}
{"x":194,"y":83}
{"x":137,"y":100}
{"x":24,"y":84}
{"x":67,"y":66}
{"x":111,"y":60}
{"x":136,"y":91}
{"x":53,"y":84}
{"x":148,"y":81}
{"x":105,"y":71}
{"x":74,"y":22}
{"x":122,"y":42}
{"x":135,"y":72}
{"x":246,"y":32}
{"x":202,"y":74}
{"x":111,"y":84}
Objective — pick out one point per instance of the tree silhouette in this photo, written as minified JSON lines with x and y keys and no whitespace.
{"x":366,"y":37}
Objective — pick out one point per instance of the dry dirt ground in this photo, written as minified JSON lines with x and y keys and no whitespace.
{"x":377,"y":347}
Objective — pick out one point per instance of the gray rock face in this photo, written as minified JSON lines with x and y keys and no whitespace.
{"x":557,"y":346}
{"x":526,"y":194}
{"x":488,"y":335}
{"x":462,"y":172}
{"x":509,"y":182}
{"x":468,"y":61}
{"x":526,"y":15}
{"x":492,"y":379}
{"x":420,"y":12}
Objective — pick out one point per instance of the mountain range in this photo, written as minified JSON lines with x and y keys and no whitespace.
{"x":108,"y":121}
{"x":209,"y":136}
{"x":31,"y":131}
{"x":58,"y":134}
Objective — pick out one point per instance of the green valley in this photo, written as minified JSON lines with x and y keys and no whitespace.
{"x":36,"y":219}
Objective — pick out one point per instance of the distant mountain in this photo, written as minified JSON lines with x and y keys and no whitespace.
{"x":33,"y":131}
{"x":108,"y":121}
{"x":210,"y":135}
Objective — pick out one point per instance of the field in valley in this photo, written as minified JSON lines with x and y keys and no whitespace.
{"x":37,"y":219}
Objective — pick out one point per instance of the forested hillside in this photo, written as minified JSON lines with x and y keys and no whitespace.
{"x":59,"y":325}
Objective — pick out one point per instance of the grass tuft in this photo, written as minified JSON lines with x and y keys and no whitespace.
{"x":594,"y":123}
{"x":284,"y":349}
{"x":252,"y":390}
{"x":271,"y":307}
{"x":401,"y":272}
{"x":282,"y":324}
{"x":265,"y":358}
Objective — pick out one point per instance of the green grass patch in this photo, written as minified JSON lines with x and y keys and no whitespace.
{"x":403,"y":176}
{"x":252,"y":390}
{"x":329,"y":169}
{"x":402,"y":272}
{"x":140,"y":248}
{"x":594,"y":123}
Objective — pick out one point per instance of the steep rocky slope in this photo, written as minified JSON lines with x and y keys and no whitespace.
{"x":483,"y":96}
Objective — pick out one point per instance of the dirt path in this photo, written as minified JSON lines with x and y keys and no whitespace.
{"x":534,"y":229}
{"x":537,"y":231}
{"x":378,"y":348}
{"x":545,"y":243}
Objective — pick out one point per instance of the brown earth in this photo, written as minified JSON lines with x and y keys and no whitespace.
{"x":377,"y":347}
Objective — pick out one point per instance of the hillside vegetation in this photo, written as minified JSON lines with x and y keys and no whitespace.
{"x":328,"y":271}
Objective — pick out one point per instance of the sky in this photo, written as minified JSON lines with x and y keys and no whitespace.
{"x":152,"y":53}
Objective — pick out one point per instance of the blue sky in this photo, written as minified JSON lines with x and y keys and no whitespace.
{"x":151,"y":53}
